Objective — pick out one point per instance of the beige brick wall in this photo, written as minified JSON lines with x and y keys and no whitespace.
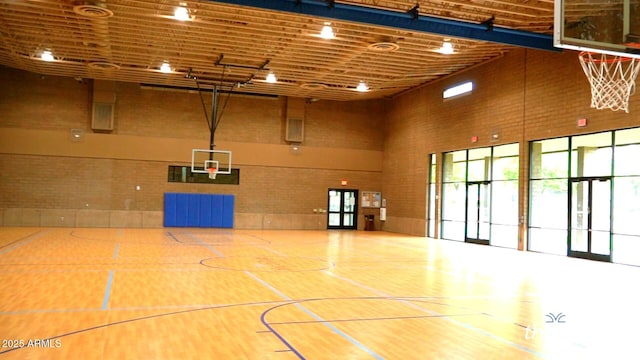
{"x":525,"y":95}
{"x":47,"y":180}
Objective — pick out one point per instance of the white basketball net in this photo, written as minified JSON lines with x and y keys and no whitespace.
{"x":212,"y":173}
{"x":612,"y":79}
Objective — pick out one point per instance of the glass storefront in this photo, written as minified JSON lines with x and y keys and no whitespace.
{"x":480,"y":195}
{"x":585,"y":196}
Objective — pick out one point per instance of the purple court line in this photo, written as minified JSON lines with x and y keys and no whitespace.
{"x":435,"y":313}
{"x":18,"y":240}
{"x":129,"y":308}
{"x":170,"y":234}
{"x":21,"y":242}
{"x":312,"y":314}
{"x":277,"y":334}
{"x":127,"y":321}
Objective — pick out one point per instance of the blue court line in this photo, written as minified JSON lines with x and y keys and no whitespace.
{"x":435,"y":313}
{"x":46,"y":311}
{"x":23,"y":242}
{"x":315,"y":316}
{"x":107,"y":292}
{"x":206,"y":245}
{"x":115,"y":252}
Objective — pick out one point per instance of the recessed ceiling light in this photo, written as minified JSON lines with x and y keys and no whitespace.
{"x":362,"y":87}
{"x":446,"y":48}
{"x":166,"y":68}
{"x":181,"y":13}
{"x":271,"y":78}
{"x":47,"y":56}
{"x":327,"y":32}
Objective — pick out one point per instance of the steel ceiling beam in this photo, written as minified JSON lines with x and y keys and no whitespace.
{"x":407,"y":21}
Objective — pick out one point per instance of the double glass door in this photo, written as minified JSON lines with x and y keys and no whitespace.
{"x":343,"y":209}
{"x":478,"y":212}
{"x":590,"y":230}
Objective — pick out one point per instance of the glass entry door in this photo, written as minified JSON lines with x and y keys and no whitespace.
{"x":590,"y":234}
{"x":478,"y":212}
{"x":343,"y":209}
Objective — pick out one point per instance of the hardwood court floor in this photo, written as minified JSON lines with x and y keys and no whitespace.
{"x":232,"y":294}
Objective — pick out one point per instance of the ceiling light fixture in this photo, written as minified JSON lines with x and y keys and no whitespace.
{"x":362,"y":87}
{"x":181,"y":13}
{"x":166,"y":68}
{"x":47,"y":56}
{"x":327,"y":32}
{"x":271,"y":78}
{"x":446,"y":48}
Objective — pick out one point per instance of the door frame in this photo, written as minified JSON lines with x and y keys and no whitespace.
{"x":588,"y":254}
{"x":476,"y":239}
{"x":354,"y":226}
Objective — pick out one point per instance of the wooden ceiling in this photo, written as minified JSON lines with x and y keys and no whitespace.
{"x":233,"y":45}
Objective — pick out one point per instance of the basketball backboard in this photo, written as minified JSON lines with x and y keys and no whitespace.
{"x":609,"y":27}
{"x":202,"y":160}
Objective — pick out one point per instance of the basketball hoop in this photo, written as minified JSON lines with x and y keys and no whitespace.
{"x":612,"y":79}
{"x":212,"y":173}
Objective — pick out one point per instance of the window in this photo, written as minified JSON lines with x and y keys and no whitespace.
{"x":458,"y":90}
{"x":585,"y":196}
{"x":626,"y":197}
{"x":454,"y":195}
{"x":183,"y":174}
{"x":431,"y":210}
{"x":480,"y":195}
{"x":505,"y":174}
{"x":548,"y":193}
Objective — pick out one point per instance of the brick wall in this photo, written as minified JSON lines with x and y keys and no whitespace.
{"x":524,"y":95}
{"x":48,"y":180}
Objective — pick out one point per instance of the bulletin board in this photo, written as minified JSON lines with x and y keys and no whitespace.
{"x":370,"y":199}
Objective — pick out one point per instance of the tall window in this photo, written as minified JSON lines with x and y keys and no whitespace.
{"x":504,"y":196}
{"x":585,"y":196}
{"x":548,"y":212}
{"x":626,"y":197}
{"x":431,"y":211}
{"x":480,"y":195}
{"x":454,"y":195}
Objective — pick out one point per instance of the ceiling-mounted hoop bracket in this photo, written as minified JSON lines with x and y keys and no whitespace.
{"x":262,"y":66}
{"x":489,"y":23}
{"x":221,"y":82}
{"x":414,"y":12}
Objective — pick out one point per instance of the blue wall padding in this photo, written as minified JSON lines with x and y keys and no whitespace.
{"x":182,"y":210}
{"x":228,"y":202}
{"x":205,"y":211}
{"x":198,"y":210}
{"x":216,"y":211}
{"x":193,"y":210}
{"x":170,"y":211}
